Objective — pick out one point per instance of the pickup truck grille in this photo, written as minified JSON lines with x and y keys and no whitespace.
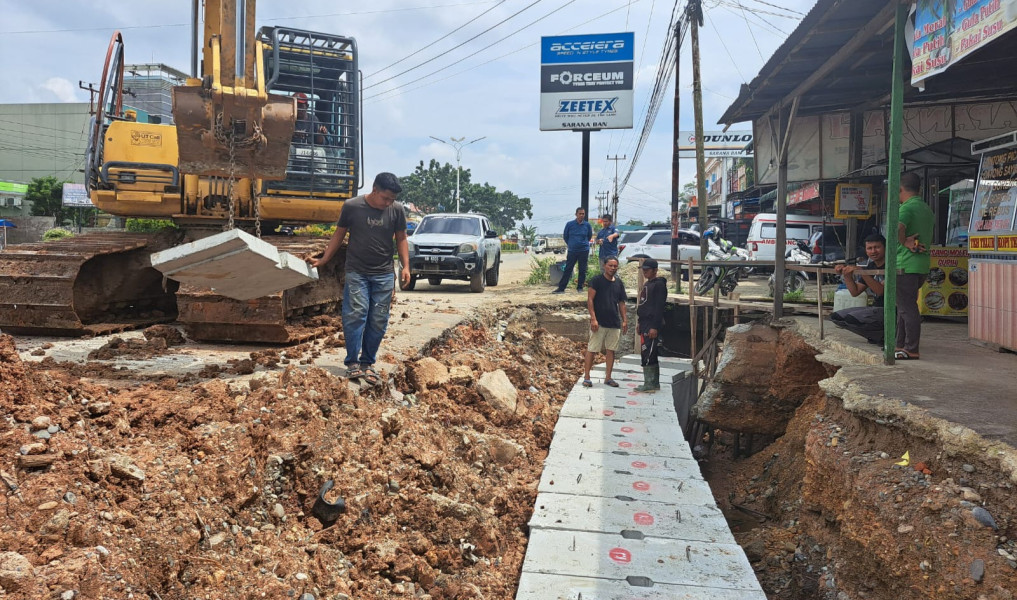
{"x":436,"y":250}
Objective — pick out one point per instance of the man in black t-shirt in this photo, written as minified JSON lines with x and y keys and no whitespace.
{"x":606,"y":302}
{"x":371,"y":221}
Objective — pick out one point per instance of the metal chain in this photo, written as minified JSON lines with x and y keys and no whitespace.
{"x":257,"y":215}
{"x":232,"y":143}
{"x":231,"y":182}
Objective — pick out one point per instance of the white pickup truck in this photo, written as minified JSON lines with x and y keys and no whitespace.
{"x":455,"y":246}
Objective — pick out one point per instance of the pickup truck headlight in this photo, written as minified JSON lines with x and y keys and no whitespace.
{"x":412,"y":247}
{"x":467,"y":247}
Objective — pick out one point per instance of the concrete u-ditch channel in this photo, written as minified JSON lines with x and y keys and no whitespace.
{"x":622,"y":510}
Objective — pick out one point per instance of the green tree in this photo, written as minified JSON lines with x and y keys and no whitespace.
{"x":46,"y":195}
{"x":502,"y":208}
{"x":433,"y":188}
{"x":528,"y":233}
{"x":634,"y":223}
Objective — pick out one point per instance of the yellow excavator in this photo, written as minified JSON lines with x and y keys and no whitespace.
{"x":267,"y":138}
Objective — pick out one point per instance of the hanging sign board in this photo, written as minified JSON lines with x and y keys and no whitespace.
{"x":586,"y":82}
{"x":947,"y":31}
{"x":854,"y":201}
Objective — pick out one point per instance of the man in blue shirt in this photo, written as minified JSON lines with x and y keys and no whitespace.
{"x":577,"y":236}
{"x":607,"y":238}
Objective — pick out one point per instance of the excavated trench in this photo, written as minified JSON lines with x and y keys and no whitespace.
{"x":817,"y":492}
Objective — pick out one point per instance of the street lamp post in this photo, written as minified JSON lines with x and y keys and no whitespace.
{"x":458,"y":144}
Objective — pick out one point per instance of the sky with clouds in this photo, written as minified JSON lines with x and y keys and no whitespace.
{"x":488,"y":86}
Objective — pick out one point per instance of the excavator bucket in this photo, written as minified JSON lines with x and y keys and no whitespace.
{"x":260,"y":131}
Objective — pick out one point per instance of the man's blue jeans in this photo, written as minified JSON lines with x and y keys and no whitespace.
{"x":366,"y":303}
{"x":571,"y":260}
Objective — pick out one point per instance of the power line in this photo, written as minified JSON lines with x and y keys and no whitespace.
{"x":790,"y":10}
{"x":272,"y":20}
{"x":395,"y":92}
{"x":524,"y":27}
{"x":672,"y":46}
{"x":408,"y":56}
{"x":456,"y":47}
{"x":751,"y":34}
{"x":724,"y":45}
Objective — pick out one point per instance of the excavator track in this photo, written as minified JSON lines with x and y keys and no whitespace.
{"x":286,"y":317}
{"x":89,"y":284}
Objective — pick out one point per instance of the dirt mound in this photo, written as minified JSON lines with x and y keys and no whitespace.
{"x":167,"y":490}
{"x":130,"y":348}
{"x":172,"y":335}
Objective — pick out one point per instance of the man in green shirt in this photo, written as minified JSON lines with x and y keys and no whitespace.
{"x":914,"y":236}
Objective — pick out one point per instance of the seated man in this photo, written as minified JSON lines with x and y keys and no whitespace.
{"x":866,"y":321}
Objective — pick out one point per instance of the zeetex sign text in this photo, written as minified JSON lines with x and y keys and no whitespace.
{"x":586,"y":82}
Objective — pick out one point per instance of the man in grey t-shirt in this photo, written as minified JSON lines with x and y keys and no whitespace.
{"x":371,"y":220}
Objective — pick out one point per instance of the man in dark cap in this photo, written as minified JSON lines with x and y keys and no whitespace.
{"x":650,"y":310}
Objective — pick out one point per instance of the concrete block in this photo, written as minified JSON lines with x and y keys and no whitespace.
{"x":635,"y":373}
{"x":234,"y":264}
{"x":538,"y":586}
{"x":610,"y":435}
{"x":610,"y":515}
{"x":616,"y":403}
{"x":622,"y":463}
{"x":651,"y":560}
{"x":582,"y":480}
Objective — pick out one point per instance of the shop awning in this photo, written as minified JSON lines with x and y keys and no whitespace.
{"x":838,"y":58}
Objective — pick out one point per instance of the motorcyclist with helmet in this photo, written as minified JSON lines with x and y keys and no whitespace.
{"x":713,"y":233}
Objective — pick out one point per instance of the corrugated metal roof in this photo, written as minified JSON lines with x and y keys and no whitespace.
{"x":863,"y":77}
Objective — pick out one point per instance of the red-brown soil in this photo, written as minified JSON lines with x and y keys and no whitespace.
{"x":164,"y":489}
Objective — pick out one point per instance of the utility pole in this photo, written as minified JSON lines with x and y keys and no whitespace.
{"x":696,"y":16}
{"x":675,"y":202}
{"x":458,"y":144}
{"x":614,"y":201}
{"x":601,"y":198}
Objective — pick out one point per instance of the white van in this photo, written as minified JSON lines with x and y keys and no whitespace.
{"x":763,"y":233}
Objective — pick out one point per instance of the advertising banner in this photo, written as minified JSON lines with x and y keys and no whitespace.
{"x":945,"y":292}
{"x":14,"y":188}
{"x":948,"y":30}
{"x":995,"y":193}
{"x":75,"y":194}
{"x":716,"y":144}
{"x":586,"y":82}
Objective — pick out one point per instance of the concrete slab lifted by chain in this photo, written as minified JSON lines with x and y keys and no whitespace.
{"x":234,"y":264}
{"x":622,"y":511}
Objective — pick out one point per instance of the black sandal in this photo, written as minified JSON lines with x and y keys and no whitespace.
{"x":371,"y":376}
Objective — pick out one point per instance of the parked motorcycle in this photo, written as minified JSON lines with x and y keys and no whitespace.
{"x":794,"y":281}
{"x":726,"y":276}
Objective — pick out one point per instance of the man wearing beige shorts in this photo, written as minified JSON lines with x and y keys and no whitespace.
{"x":605,"y":299}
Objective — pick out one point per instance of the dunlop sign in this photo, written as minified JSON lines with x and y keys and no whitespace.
{"x":716,"y":144}
{"x":586,"y":82}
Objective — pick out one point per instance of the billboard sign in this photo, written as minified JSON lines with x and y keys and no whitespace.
{"x":948,"y":30}
{"x":586,"y":82}
{"x":75,"y":194}
{"x":716,"y":144}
